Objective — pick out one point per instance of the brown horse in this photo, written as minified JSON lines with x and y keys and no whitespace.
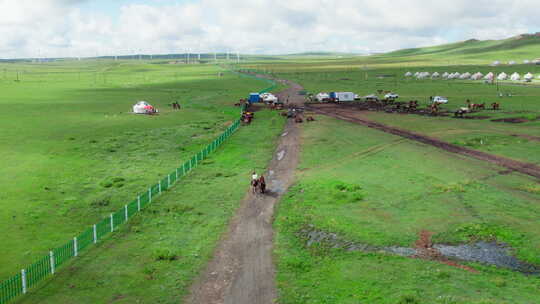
{"x":262,"y":185}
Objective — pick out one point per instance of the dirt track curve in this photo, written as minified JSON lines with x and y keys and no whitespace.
{"x":347,"y":115}
{"x":242,"y":270}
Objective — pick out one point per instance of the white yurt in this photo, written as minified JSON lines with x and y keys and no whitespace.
{"x":416,"y":74}
{"x":528,"y":76}
{"x":465,"y":75}
{"x":477,"y":76}
{"x":502,"y":76}
{"x":435,"y":75}
{"x":489,"y":76}
{"x":511,"y":62}
{"x":515,"y":77}
{"x":142,"y":107}
{"x":526,"y":61}
{"x":495,"y":63}
{"x":408,"y":74}
{"x":445,"y":75}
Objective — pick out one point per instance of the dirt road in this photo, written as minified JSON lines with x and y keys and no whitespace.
{"x":242,"y":270}
{"x":355,"y":117}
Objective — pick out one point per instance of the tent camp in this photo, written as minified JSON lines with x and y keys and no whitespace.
{"x":477,"y":76}
{"x":502,"y":76}
{"x":435,"y":75}
{"x":489,"y":76}
{"x":465,"y":75}
{"x":515,"y":77}
{"x":143,"y":107}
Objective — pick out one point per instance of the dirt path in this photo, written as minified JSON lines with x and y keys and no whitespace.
{"x":353,"y":116}
{"x":242,"y":270}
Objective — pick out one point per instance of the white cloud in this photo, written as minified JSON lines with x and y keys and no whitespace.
{"x":63,"y":28}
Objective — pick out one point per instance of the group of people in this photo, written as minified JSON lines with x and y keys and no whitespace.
{"x":258,"y":183}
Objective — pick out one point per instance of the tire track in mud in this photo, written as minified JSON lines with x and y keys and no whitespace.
{"x":513,"y":165}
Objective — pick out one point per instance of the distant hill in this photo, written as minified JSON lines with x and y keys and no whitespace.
{"x":521,"y":47}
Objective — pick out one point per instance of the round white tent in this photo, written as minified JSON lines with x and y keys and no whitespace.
{"x":465,"y":75}
{"x":445,"y":75}
{"x":142,"y":107}
{"x":515,"y":77}
{"x":511,"y":62}
{"x":489,"y":76}
{"x":495,"y":63}
{"x":408,"y":74}
{"x":528,"y":76}
{"x":526,"y":61}
{"x":502,"y":76}
{"x":477,"y":76}
{"x":435,"y":75}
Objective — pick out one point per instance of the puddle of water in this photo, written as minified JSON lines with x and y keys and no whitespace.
{"x":490,"y":253}
{"x":280,"y":155}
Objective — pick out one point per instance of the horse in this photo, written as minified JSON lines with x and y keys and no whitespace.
{"x":495,"y":106}
{"x":262,"y":184}
{"x":310,"y":118}
{"x":461,"y":111}
{"x":298,"y":119}
{"x":254,"y":185}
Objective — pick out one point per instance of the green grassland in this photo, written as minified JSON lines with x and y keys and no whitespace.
{"x":481,"y":134}
{"x":72,"y":152}
{"x":155,"y":256}
{"x":375,"y":188}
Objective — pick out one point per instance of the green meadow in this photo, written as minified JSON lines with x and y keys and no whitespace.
{"x":73,"y":152}
{"x":373,"y":188}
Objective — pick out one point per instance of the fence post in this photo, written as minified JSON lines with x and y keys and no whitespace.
{"x":176,"y":172}
{"x":95,"y":234}
{"x":138,"y":203}
{"x":51,"y":259}
{"x":183,"y":169}
{"x":159,"y":187}
{"x":168,"y":181}
{"x":23,"y":280}
{"x":75,"y":245}
{"x":150,"y":195}
{"x":126,"y":212}
{"x":112,"y":222}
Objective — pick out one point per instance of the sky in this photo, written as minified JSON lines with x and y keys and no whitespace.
{"x":85,"y":28}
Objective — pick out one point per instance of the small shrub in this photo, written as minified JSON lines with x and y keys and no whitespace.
{"x":163,"y":254}
{"x":499,"y":282}
{"x":101,"y":202}
{"x":409,"y":299}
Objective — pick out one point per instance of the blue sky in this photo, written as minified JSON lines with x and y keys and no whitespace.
{"x":90,"y":27}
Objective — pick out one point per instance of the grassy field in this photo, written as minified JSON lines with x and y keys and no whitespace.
{"x":154,"y":258}
{"x":375,"y":188}
{"x":72,"y":152}
{"x":482,"y":134}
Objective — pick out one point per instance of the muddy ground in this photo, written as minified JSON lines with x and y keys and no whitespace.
{"x":350,"y":115}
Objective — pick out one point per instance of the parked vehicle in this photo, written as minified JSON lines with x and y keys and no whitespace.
{"x":391,"y":96}
{"x":439,"y":99}
{"x":342,"y":96}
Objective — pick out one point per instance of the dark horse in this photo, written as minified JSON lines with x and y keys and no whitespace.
{"x":262,"y":184}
